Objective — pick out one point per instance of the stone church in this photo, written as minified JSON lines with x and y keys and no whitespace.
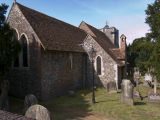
{"x":57,"y":57}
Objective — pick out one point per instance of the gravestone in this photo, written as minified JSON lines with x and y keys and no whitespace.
{"x":136,"y":94}
{"x":154,"y":97}
{"x":29,"y":101}
{"x":38,"y":112}
{"x":71,"y":93}
{"x":127,"y":92}
{"x":111,"y":87}
{"x":136,"y":76}
{"x":148,"y":79}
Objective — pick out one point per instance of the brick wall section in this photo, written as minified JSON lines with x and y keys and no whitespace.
{"x":25,"y":80}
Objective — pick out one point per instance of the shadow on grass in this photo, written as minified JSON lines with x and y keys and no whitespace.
{"x":70,"y":108}
{"x":109,"y":100}
{"x":139,"y":103}
{"x":61,"y":108}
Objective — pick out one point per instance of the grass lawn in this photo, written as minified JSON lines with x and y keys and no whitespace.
{"x":108,"y":105}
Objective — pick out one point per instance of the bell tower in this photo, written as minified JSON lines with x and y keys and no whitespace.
{"x":123,"y":44}
{"x":112,"y":33}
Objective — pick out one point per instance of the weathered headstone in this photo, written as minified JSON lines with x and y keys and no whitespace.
{"x":29,"y":101}
{"x":154,"y":97}
{"x":148,"y":79}
{"x":136,"y":94}
{"x":111,"y":86}
{"x":127,"y":92}
{"x":71,"y":93}
{"x":38,"y":112}
{"x":136,"y":76}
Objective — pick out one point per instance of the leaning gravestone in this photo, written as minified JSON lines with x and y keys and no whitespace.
{"x":127,"y":92}
{"x":38,"y":112}
{"x":29,"y":101}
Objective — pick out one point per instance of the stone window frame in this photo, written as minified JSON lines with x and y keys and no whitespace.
{"x":20,"y":54}
{"x":102,"y":67}
{"x":16,"y":30}
{"x":28,"y":53}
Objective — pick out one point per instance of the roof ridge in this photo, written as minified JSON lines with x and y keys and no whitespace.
{"x":98,"y":31}
{"x":47,"y":15}
{"x":92,"y":33}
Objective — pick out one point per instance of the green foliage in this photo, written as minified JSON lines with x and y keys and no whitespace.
{"x":9,"y":45}
{"x":139,"y":53}
{"x":3,"y":10}
{"x":145,"y":51}
{"x":153,"y":20}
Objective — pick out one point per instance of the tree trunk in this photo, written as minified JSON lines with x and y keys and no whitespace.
{"x":4,"y":104}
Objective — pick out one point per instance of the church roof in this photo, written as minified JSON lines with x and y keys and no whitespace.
{"x":102,"y":40}
{"x":118,"y":53}
{"x":53,"y":33}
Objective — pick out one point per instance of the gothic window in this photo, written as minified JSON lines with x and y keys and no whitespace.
{"x":24,"y":51}
{"x":16,"y":60}
{"x":98,"y":65}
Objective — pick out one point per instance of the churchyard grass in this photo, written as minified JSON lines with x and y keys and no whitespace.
{"x":108,"y":105}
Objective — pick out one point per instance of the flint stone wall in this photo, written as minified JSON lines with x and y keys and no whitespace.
{"x":108,"y":70}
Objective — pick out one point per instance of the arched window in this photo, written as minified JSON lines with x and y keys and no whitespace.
{"x":24,"y":51}
{"x":16,"y":60}
{"x":98,"y":65}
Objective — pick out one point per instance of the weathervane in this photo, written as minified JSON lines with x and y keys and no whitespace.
{"x":107,"y":26}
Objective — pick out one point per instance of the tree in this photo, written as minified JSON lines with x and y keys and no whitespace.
{"x":153,"y":20}
{"x":139,"y":53}
{"x":9,"y":49}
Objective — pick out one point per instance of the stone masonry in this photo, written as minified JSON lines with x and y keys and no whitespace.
{"x":108,"y":71}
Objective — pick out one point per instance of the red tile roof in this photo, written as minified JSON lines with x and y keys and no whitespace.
{"x":53,"y":33}
{"x":118,"y":53}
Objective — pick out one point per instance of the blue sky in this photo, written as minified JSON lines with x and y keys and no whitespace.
{"x":126,"y":15}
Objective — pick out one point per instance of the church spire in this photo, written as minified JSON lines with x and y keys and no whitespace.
{"x":14,"y":1}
